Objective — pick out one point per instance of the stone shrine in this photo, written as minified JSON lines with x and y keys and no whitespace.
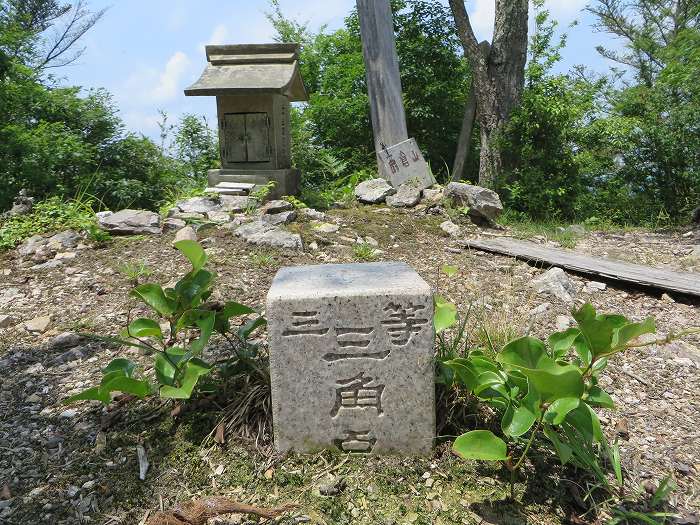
{"x":351,"y":359}
{"x":254,"y":85}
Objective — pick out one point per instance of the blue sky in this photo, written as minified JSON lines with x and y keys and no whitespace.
{"x":145,"y":52}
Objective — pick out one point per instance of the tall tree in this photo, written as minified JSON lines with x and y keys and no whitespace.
{"x":646,"y":27}
{"x":498,"y":73}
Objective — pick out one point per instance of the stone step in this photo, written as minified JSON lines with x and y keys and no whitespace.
{"x":232,"y":188}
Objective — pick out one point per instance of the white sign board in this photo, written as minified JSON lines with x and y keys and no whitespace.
{"x":405,"y":162}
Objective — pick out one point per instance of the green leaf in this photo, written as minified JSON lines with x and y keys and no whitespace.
{"x":560,"y":342}
{"x":122,"y":365}
{"x":230,"y":309}
{"x":191,"y":288}
{"x":91,"y":394}
{"x":127,"y":385}
{"x":165,"y":371}
{"x":599,"y":397}
{"x":445,"y":314}
{"x":557,"y":411}
{"x":586,"y":422}
{"x":194,"y":369}
{"x":526,"y":352}
{"x":194,"y":252}
{"x":465,"y":373}
{"x":633,"y":330}
{"x":481,"y":444}
{"x":562,"y":449}
{"x":550,"y":379}
{"x":143,"y":327}
{"x":153,"y":296}
{"x":449,"y":270}
{"x":252,"y":325}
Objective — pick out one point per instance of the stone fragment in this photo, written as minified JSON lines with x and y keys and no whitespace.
{"x":594,"y":287}
{"x":555,"y":282}
{"x":351,"y":348}
{"x":276,"y":206}
{"x":484,"y":204}
{"x":30,"y":246}
{"x":185,"y":234}
{"x":450,"y":228}
{"x":68,"y":414}
{"x":432,"y":196}
{"x":201,"y":205}
{"x":326,"y":227}
{"x":276,"y":219}
{"x":562,"y":322}
{"x":234,"y":203}
{"x":6,"y":321}
{"x":172,"y":224}
{"x":539,"y":310}
{"x":219,"y":217}
{"x":64,"y":340}
{"x":373,"y":191}
{"x":64,"y":240}
{"x":38,"y":324}
{"x":131,"y":222}
{"x":695,"y":251}
{"x":406,"y":196}
{"x":261,"y":233}
{"x":312,"y":214}
{"x":65,"y":256}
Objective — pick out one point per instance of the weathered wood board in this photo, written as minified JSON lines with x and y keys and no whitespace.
{"x":681,"y":282}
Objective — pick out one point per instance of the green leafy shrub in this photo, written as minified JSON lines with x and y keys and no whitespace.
{"x":51,"y":215}
{"x":543,"y":390}
{"x":178,"y":361}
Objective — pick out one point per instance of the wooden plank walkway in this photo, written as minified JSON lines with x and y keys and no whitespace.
{"x":681,"y":282}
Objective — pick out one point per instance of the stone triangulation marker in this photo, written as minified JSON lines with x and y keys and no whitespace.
{"x":351,"y":359}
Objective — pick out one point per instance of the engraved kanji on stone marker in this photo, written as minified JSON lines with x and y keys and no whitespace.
{"x":358,"y":392}
{"x":404,"y":160}
{"x":403,"y":321}
{"x":353,"y":343}
{"x":393,"y":166}
{"x":415,"y":156}
{"x":305,"y":323}
{"x":357,"y":442}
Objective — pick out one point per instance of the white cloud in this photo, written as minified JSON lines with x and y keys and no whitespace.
{"x":169,"y":79}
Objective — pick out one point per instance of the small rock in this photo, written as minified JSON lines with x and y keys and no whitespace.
{"x":34,"y":398}
{"x":450,"y":228}
{"x":219,"y":217}
{"x":326,"y":227}
{"x":594,"y":287}
{"x":284,"y":217}
{"x":622,"y":429}
{"x":406,"y":196}
{"x":372,"y":242}
{"x":333,"y":488}
{"x":89,"y":485}
{"x":131,"y":222}
{"x":234,"y":203}
{"x":431,"y":196}
{"x":484,"y":204}
{"x":201,"y":205}
{"x":172,"y":224}
{"x":38,"y":324}
{"x":313,"y":246}
{"x":72,"y":491}
{"x":312,"y":214}
{"x":555,"y":282}
{"x":562,"y":322}
{"x":68,"y":414}
{"x":373,"y":191}
{"x":276,"y":206}
{"x":261,"y":233}
{"x":667,"y":298}
{"x":64,"y":340}
{"x":6,"y":321}
{"x":185,"y":234}
{"x":539,"y":310}
{"x":65,"y":256}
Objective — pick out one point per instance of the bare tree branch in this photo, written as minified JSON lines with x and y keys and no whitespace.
{"x":466,"y":33}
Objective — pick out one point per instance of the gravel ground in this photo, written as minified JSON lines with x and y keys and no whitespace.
{"x":52,"y":460}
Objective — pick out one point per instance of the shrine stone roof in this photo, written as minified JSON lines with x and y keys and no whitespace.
{"x":251,"y":69}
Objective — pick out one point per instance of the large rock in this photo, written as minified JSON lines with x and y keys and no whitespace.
{"x":260,"y":232}
{"x":284,"y":217}
{"x":373,"y":191}
{"x":234,"y":203}
{"x":555,"y":282}
{"x":276,"y":206}
{"x":131,"y":222}
{"x":353,"y":343}
{"x":406,"y":196}
{"x":199,"y":205}
{"x":484,"y":204}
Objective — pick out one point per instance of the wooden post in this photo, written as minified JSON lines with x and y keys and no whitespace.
{"x":465,"y":138}
{"x":383,"y":78}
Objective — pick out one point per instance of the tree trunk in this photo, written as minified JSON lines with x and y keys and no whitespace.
{"x":499,"y":75}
